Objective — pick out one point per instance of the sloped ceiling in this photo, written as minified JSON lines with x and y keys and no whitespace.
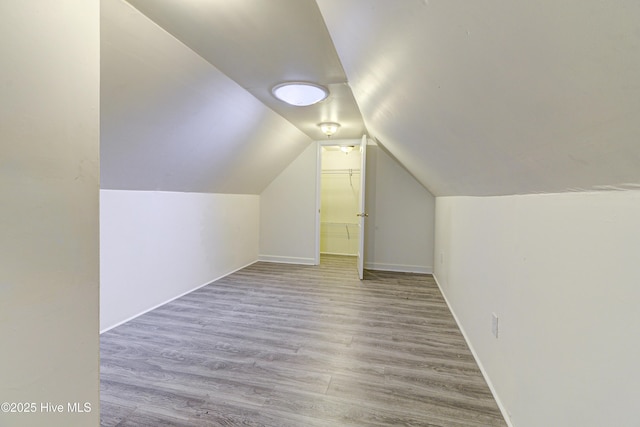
{"x":473,"y":98}
{"x":495,"y":97}
{"x":171,"y":121}
{"x":260,"y":43}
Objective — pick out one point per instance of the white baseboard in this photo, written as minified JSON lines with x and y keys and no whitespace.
{"x":337,"y":253}
{"x":503,"y":410}
{"x":401,"y":268}
{"x":286,"y":259}
{"x":173,"y":298}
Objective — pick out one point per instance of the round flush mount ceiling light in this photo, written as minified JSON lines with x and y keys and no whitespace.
{"x":300,"y":94}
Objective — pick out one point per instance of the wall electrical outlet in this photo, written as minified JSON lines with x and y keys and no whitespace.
{"x":494,"y":324}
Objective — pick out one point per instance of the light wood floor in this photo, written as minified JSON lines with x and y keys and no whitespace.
{"x":285,"y":345}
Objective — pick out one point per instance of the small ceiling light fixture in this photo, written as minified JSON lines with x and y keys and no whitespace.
{"x":346,"y":149}
{"x":329,"y":128}
{"x":300,"y":94}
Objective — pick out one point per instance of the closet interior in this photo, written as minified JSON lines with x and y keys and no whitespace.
{"x":339,"y":189}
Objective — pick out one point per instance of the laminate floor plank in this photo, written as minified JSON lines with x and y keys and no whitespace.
{"x":289,"y":345}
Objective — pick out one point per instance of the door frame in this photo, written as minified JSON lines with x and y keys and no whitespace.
{"x":362,"y":213}
{"x":324,"y":143}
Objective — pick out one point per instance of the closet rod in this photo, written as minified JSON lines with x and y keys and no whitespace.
{"x":340,"y":171}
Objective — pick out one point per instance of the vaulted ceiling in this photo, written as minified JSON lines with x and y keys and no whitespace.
{"x":473,"y":98}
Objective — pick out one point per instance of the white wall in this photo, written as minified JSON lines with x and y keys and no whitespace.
{"x":287,"y":212}
{"x":49,"y":169}
{"x":399,"y":230}
{"x":562,"y":272}
{"x":156,"y":246}
{"x":400,"y":227}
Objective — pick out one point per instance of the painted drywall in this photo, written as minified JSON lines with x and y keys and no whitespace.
{"x":156,"y":246}
{"x":561,"y":272}
{"x":288,"y":212}
{"x":333,"y":158}
{"x":261,"y":43}
{"x":339,"y":201}
{"x":49,"y":180}
{"x":399,"y":230}
{"x":171,"y":121}
{"x":524,"y":97}
{"x":400,"y":227}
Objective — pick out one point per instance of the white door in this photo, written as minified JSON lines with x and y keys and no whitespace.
{"x":361,"y":213}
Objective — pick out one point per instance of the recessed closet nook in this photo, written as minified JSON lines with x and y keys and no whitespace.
{"x":339,"y":192}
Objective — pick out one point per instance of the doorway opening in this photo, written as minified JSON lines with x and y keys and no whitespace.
{"x":339,"y":196}
{"x":340,"y":192}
